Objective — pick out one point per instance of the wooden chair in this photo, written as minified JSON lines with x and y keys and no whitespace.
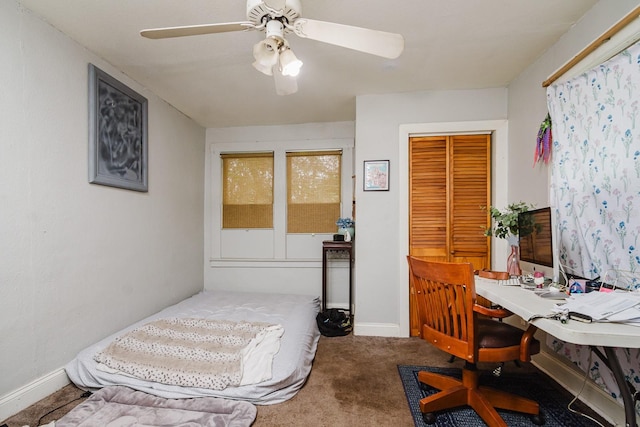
{"x":451,"y":320}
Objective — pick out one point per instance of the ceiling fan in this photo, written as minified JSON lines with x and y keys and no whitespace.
{"x":273,"y":56}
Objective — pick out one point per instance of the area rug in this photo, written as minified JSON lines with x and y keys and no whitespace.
{"x":553,"y":403}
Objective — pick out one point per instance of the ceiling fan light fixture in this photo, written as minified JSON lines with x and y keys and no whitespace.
{"x":285,"y":85}
{"x":265,"y":53}
{"x":273,"y":56}
{"x":290,"y":63}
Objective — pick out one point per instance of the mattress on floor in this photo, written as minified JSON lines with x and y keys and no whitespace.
{"x":291,"y":365}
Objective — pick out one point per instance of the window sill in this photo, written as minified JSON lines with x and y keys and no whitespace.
{"x":265,"y":263}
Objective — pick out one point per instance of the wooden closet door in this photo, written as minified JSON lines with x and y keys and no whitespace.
{"x":469,"y":192}
{"x":428,"y":200}
{"x":449,"y":183}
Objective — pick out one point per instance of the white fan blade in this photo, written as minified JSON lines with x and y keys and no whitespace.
{"x":196,"y":30}
{"x":285,"y":85}
{"x":380,"y":43}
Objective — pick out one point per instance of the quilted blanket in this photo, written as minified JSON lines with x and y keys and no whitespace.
{"x":118,"y":406}
{"x":197,"y":352}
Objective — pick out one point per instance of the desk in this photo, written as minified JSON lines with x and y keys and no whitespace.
{"x":525,"y":304}
{"x":330,"y":245}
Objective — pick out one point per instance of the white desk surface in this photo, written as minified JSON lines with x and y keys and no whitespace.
{"x":525,"y":303}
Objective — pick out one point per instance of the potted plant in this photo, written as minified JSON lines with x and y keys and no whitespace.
{"x":505,"y":226}
{"x":346,"y":225}
{"x":505,"y":223}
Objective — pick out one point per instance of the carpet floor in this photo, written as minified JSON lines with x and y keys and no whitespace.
{"x":354,"y":382}
{"x":532,"y":385}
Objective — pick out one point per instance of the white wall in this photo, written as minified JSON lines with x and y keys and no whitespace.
{"x":272,"y":260}
{"x":381,"y":296}
{"x":79,"y":261}
{"x":381,"y":307}
{"x":380,"y":119}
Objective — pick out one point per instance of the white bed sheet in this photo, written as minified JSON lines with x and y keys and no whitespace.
{"x":291,"y":365}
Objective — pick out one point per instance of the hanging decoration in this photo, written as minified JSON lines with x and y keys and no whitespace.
{"x":543,"y":142}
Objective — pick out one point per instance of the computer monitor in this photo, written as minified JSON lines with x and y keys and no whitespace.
{"x":536,"y":242}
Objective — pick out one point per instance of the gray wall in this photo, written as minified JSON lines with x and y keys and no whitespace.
{"x":79,"y":261}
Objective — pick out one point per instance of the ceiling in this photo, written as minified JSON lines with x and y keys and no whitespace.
{"x":454,"y":44}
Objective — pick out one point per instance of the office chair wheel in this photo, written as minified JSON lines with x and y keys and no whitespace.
{"x":429,"y":418}
{"x":539,"y":419}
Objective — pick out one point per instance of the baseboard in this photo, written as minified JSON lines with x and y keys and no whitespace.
{"x":376,"y":329}
{"x":17,"y":400}
{"x":572,"y":380}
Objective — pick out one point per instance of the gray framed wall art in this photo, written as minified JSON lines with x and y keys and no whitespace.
{"x":118,"y":155}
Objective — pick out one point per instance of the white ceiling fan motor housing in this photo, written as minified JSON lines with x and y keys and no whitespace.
{"x":257,"y":10}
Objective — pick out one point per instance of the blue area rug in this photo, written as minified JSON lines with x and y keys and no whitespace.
{"x":553,"y":402}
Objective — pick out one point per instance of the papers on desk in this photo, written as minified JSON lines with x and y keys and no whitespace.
{"x":619,"y":306}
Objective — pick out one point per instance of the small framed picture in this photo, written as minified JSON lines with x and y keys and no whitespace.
{"x":376,"y":175}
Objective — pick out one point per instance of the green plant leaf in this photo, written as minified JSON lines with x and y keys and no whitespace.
{"x":505,"y":223}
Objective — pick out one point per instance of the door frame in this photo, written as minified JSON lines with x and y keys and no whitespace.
{"x":499,"y":174}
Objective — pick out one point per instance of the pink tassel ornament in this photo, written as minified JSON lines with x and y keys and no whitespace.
{"x":543,"y":142}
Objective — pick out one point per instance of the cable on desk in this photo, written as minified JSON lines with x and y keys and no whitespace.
{"x":562,"y":316}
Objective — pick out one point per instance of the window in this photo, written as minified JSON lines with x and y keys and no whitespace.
{"x":247,"y":190}
{"x":290,"y":232}
{"x":313,"y":191}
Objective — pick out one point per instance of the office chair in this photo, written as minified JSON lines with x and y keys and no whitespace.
{"x":451,"y":320}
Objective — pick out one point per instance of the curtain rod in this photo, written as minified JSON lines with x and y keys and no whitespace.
{"x":628,"y":18}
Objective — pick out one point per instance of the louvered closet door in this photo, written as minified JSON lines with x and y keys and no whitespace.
{"x":469,"y":191}
{"x":428,"y":210}
{"x":449,"y":183}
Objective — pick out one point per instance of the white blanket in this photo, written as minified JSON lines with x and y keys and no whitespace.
{"x":195,"y":352}
{"x":291,"y":365}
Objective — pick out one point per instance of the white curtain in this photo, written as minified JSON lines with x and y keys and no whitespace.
{"x":595,"y":187}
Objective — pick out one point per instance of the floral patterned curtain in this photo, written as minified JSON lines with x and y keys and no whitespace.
{"x":595,"y":187}
{"x":596,"y":166}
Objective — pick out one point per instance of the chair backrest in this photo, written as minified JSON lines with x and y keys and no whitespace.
{"x":445,"y":294}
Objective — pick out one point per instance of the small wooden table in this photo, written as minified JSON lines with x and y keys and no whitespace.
{"x":330,"y":245}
